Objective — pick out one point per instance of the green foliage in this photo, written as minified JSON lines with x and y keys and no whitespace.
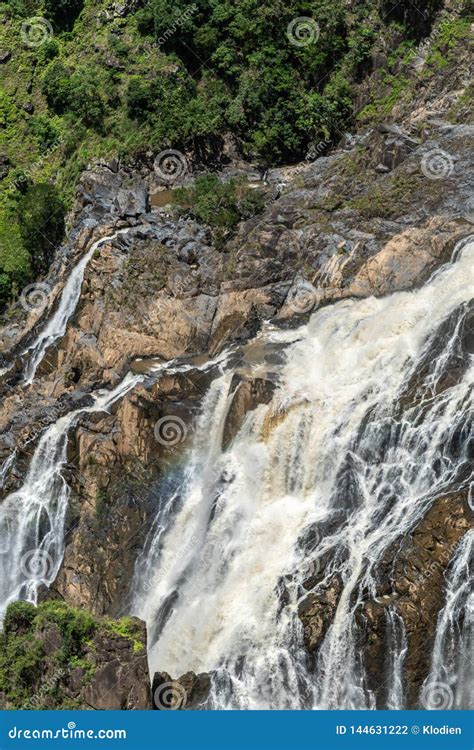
{"x":48,"y":50}
{"x":44,"y":131}
{"x":86,"y":100}
{"x":29,"y":677}
{"x":19,"y":617}
{"x":23,"y":8}
{"x":63,"y":13}
{"x":15,"y":263}
{"x":77,"y":92}
{"x":30,"y":231}
{"x":21,"y":656}
{"x":126,"y":627}
{"x":75,"y":625}
{"x":56,"y":87}
{"x":264,"y":88}
{"x":220,"y":204}
{"x":416,"y":15}
{"x":22,"y":653}
{"x":41,"y":219}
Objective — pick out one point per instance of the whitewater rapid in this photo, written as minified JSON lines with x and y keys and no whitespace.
{"x":335,"y":457}
{"x":353,"y":448}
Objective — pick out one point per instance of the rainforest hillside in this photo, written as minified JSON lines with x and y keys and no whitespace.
{"x":268,"y":80}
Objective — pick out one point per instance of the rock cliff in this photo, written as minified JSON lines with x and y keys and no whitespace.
{"x":378,"y":214}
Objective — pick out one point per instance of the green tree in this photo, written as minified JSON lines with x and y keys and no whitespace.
{"x":56,"y":86}
{"x":63,"y":13}
{"x":41,"y":222}
{"x":416,"y":15}
{"x":86,"y":99}
{"x":15,"y":265}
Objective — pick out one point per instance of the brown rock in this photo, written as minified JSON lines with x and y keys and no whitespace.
{"x":317,"y":611}
{"x":247,"y":396}
{"x":188,"y":692}
{"x":415,"y":576}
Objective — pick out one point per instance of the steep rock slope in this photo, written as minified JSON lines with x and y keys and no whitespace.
{"x":377,"y":215}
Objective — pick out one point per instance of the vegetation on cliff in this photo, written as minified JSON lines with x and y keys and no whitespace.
{"x":86,"y":79}
{"x":49,"y":653}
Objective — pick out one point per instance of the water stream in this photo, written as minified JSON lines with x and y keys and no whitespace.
{"x":32,"y":520}
{"x":369,"y":423}
{"x":57,"y":325}
{"x":362,"y":434}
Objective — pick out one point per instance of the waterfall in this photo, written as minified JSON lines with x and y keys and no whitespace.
{"x":57,"y":325}
{"x":364,"y":431}
{"x":369,"y":423}
{"x":32,"y":520}
{"x":449,"y":684}
{"x":6,"y":466}
{"x":396,"y":637}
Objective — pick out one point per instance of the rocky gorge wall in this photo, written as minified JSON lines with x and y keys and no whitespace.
{"x":379,"y":214}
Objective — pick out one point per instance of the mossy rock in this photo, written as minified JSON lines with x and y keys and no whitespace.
{"x":46,"y":649}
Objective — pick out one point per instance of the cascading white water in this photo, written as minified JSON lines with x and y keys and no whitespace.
{"x":449,"y":683}
{"x":57,"y":325}
{"x":32,"y":519}
{"x":6,"y":466}
{"x":337,"y":455}
{"x":396,"y":637}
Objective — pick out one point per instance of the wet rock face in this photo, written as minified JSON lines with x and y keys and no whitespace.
{"x":121,"y":679}
{"x":247,"y":396}
{"x":189,"y":692}
{"x":414,"y":584}
{"x":317,"y":611}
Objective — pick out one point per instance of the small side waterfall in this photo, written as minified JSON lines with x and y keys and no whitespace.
{"x":449,"y":684}
{"x":6,"y":466}
{"x":364,"y":432}
{"x":32,"y":519}
{"x":396,"y":637}
{"x":56,"y":326}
